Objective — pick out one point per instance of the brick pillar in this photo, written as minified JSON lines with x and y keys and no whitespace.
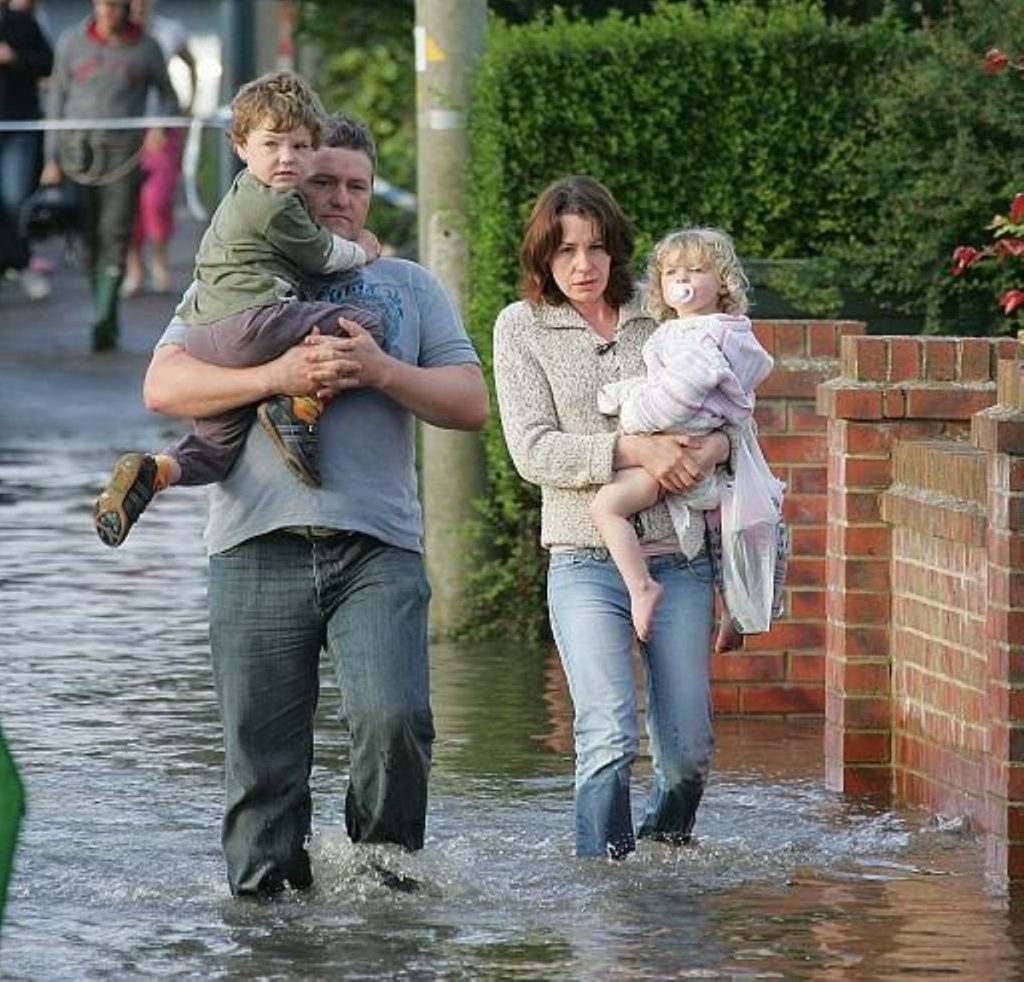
{"x":890,"y":388}
{"x":782,"y":672}
{"x":1000,"y":431}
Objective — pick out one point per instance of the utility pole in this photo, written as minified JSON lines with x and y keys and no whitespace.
{"x":449,"y":38}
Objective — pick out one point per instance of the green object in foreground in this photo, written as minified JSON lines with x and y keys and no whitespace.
{"x":12,"y":807}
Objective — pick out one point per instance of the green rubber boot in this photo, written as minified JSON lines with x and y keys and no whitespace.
{"x":12,"y":807}
{"x":106,"y":294}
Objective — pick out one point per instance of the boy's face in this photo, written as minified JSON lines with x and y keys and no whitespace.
{"x":280,"y":159}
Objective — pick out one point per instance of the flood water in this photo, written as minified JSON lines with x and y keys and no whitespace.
{"x":107,"y":702}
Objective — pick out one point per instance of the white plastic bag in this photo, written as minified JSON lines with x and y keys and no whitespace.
{"x":751,"y":520}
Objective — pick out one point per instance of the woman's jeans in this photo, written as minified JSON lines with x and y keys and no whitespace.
{"x":275,"y":600}
{"x":590,"y":617}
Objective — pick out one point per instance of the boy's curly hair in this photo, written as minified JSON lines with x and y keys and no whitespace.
{"x":279,"y":101}
{"x":698,"y":246}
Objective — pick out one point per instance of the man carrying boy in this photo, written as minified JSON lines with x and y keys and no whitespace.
{"x":245,"y":306}
{"x":295,"y":568}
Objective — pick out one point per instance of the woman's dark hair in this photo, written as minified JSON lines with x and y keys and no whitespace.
{"x":583,"y":196}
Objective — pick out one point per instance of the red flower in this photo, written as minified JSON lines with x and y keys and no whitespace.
{"x":1009,"y":247}
{"x":964,"y":257}
{"x":1011,"y":300}
{"x":995,"y":61}
{"x":1017,"y":208}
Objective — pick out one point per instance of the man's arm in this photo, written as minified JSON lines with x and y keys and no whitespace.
{"x":450,"y":396}
{"x":179,"y":385}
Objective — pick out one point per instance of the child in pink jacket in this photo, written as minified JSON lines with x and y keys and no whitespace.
{"x":703,"y":364}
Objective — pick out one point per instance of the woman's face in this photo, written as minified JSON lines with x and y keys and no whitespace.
{"x":581,"y":265}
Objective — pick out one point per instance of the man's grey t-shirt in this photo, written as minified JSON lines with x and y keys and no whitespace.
{"x":367,"y":441}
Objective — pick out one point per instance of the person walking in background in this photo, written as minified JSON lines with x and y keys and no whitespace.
{"x":294,"y":569}
{"x":161,"y":160}
{"x":104,"y":69}
{"x":26,"y":56}
{"x":578,"y":327}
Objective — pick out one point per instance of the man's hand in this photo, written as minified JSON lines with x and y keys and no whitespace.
{"x":7,"y":53}
{"x":52,"y":174}
{"x":342,"y":363}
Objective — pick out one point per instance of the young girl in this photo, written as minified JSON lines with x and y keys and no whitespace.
{"x":703,"y":364}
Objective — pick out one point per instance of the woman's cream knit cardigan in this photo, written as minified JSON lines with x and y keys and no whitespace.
{"x":548,"y":367}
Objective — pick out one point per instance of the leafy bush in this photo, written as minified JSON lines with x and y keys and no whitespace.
{"x":937,"y":155}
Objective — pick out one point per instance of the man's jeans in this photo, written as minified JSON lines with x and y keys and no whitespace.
{"x":19,"y":168}
{"x":590,"y":618}
{"x":275,"y":600}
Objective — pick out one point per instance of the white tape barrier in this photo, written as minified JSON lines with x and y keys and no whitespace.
{"x":190,"y":157}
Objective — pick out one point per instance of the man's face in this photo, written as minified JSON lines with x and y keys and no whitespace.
{"x":339,"y":189}
{"x":111,"y":17}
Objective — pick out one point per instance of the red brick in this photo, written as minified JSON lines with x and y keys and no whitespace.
{"x":823,"y":340}
{"x":794,"y":383}
{"x":865,"y":472}
{"x":802,"y":448}
{"x":866,"y":748}
{"x":805,"y":509}
{"x":997,"y":431}
{"x":854,"y":402}
{"x":805,"y":571}
{"x":770,"y":417}
{"x":860,"y":642}
{"x":764,"y":331}
{"x":975,"y":360}
{"x":864,"y":677}
{"x":860,"y":540}
{"x":853,"y":506}
{"x":865,"y":359}
{"x":779,"y":700}
{"x":738,"y":666}
{"x":864,"y":438}
{"x":725,"y":698}
{"x":875,"y":781}
{"x":805,"y":605}
{"x":806,"y":668}
{"x":857,"y":574}
{"x":790,"y":339}
{"x":808,"y":480}
{"x":804,"y":417}
{"x":940,"y":359}
{"x":947,"y":402}
{"x":904,"y":359}
{"x":807,"y":541}
{"x":786,"y":634}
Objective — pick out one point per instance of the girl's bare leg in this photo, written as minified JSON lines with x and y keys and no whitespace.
{"x":630,"y":490}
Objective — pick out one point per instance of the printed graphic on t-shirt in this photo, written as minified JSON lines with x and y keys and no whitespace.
{"x":382,"y":300}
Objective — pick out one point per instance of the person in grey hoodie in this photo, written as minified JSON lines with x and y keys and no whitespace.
{"x":104,"y":69}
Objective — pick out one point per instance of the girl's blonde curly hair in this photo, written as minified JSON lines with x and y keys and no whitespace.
{"x":704,"y":247}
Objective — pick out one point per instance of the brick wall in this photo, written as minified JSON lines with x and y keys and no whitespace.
{"x":924,"y":675}
{"x":783,"y":671}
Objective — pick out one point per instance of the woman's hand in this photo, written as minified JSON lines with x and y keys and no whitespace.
{"x":676,"y":461}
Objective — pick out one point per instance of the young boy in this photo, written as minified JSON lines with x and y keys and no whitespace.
{"x":244,"y":306}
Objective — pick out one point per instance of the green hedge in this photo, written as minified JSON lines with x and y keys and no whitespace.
{"x":806,"y":138}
